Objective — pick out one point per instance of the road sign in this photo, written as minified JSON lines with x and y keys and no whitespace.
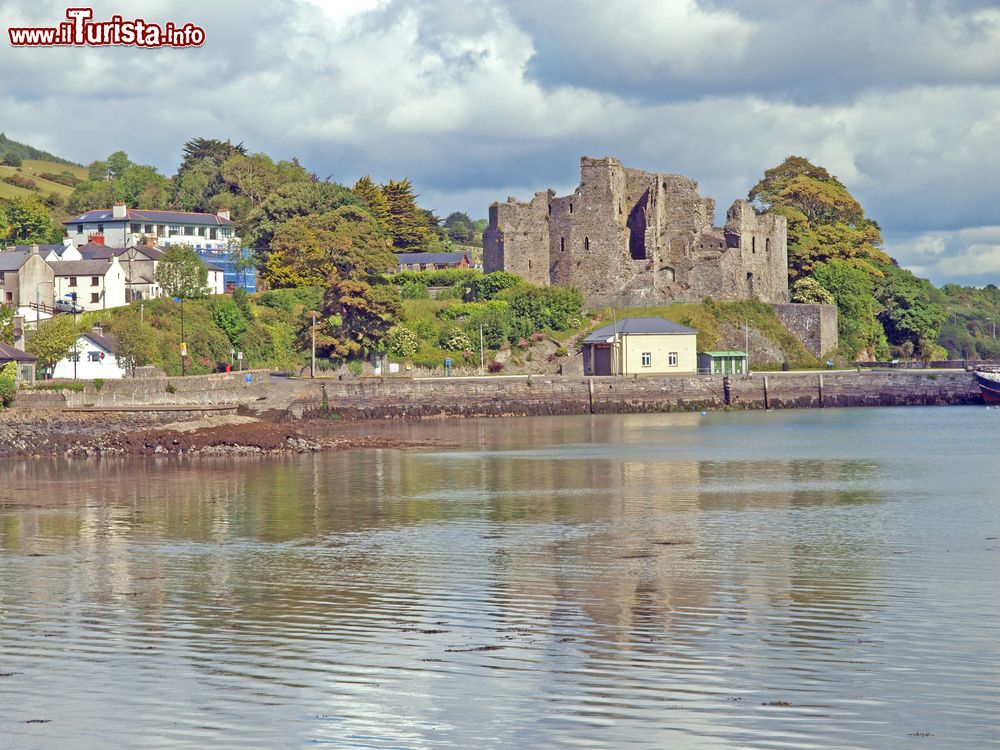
{"x":239,"y":355}
{"x":184,"y":349}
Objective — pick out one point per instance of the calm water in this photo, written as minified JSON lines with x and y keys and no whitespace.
{"x":809,"y":579}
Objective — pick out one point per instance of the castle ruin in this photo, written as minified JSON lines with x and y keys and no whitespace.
{"x":629,"y":237}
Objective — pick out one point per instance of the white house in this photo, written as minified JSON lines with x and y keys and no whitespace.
{"x":94,"y":284}
{"x":121,"y":226}
{"x":94,"y":358}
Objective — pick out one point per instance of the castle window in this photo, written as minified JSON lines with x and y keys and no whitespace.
{"x":586,"y":244}
{"x":571,"y":208}
{"x":767,"y":244}
{"x":753,"y":244}
{"x":562,"y":244}
{"x":550,"y":209}
{"x":529,"y":264}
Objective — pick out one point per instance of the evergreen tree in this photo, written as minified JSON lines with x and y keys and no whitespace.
{"x":374,"y":198}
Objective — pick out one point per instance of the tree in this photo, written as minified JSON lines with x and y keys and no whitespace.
{"x":118,"y":163}
{"x":307,"y":251}
{"x":142,"y":186}
{"x":853,"y":288}
{"x":910,"y":314}
{"x":8,"y":384}
{"x":180,"y":273}
{"x":136,"y":343}
{"x":287,"y":202}
{"x":409,"y":226}
{"x":27,"y":220}
{"x":374,"y":198}
{"x":459,"y":227}
{"x":253,"y":176}
{"x":52,"y":339}
{"x":357,"y":317}
{"x":11,"y":159}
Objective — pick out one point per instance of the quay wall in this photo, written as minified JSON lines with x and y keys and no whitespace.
{"x":443,"y":397}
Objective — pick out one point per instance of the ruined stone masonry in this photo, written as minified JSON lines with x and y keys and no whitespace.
{"x":628,"y":237}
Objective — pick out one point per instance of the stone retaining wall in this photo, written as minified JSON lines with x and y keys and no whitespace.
{"x":417,"y":399}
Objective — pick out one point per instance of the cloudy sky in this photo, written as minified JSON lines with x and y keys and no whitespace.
{"x":476,"y":100}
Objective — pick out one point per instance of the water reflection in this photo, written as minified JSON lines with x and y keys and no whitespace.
{"x":604,"y":581}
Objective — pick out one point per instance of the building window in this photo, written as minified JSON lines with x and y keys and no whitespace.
{"x":647,"y":359}
{"x":72,"y":280}
{"x":1,"y":277}
{"x":95,"y":297}
{"x":100,"y":229}
{"x":174,"y":229}
{"x":213,"y":234}
{"x":201,"y":231}
{"x":562,"y":244}
{"x":753,"y":244}
{"x":95,"y":280}
{"x":224,"y":231}
{"x":10,"y":299}
{"x":163,"y":230}
{"x":571,"y":208}
{"x":586,"y":244}
{"x":135,"y":228}
{"x":148,"y":229}
{"x":672,"y":359}
{"x":93,"y":356}
{"x":767,"y":244}
{"x":79,"y":228}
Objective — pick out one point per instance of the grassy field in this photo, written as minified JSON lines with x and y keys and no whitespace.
{"x":31,"y":169}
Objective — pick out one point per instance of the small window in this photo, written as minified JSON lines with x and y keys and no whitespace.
{"x":72,"y":280}
{"x":1,"y":277}
{"x":224,"y":231}
{"x":767,"y":244}
{"x":79,"y":228}
{"x":201,"y":231}
{"x":213,"y":234}
{"x":753,"y":244}
{"x":135,"y":228}
{"x":10,"y":298}
{"x":562,"y":244}
{"x":174,"y":229}
{"x":647,"y":359}
{"x":571,"y":208}
{"x":672,"y":359}
{"x":95,"y":297}
{"x":148,"y":229}
{"x":100,"y":229}
{"x":586,"y":244}
{"x":95,"y":280}
{"x":94,"y":356}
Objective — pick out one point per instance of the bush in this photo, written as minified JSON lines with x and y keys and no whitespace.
{"x":455,"y":340}
{"x":11,"y":159}
{"x":562,"y":352}
{"x":290,"y":300}
{"x":486,"y":287}
{"x":494,"y":366}
{"x":545,"y":307}
{"x":494,"y":323}
{"x":414,"y":290}
{"x":460,"y":277}
{"x":21,"y":181}
{"x":8,"y":385}
{"x":402,"y":342}
{"x":355,"y":367}
{"x":63,"y":178}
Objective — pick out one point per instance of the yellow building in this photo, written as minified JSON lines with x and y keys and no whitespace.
{"x":641,"y":346}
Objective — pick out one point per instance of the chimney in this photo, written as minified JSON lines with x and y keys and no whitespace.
{"x":119,"y":211}
{"x":34,"y":249}
{"x":97,"y":239}
{"x":97,"y":328}
{"x":223,"y":213}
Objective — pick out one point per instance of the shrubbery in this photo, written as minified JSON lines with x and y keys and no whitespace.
{"x":8,"y":384}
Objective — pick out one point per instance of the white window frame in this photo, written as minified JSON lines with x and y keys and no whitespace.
{"x":672,"y":359}
{"x":647,"y":359}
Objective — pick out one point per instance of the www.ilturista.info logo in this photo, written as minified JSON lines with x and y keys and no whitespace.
{"x":80,"y":31}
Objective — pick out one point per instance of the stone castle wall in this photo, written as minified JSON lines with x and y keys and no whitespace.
{"x":633,"y":237}
{"x":814,"y":325}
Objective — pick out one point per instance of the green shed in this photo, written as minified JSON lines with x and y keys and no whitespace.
{"x":723,"y":363}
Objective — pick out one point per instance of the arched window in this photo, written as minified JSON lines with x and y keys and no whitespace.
{"x":753,"y":244}
{"x":571,"y":208}
{"x":562,"y":244}
{"x":767,"y":244}
{"x":586,"y":244}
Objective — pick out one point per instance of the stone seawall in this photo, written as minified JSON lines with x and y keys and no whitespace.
{"x":421,"y":399}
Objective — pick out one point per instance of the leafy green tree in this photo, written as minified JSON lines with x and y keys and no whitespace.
{"x":180,"y":273}
{"x":11,"y":159}
{"x":289,"y":201}
{"x":853,"y":288}
{"x":254,"y":176}
{"x":135,"y":343}
{"x":357,"y":316}
{"x":308,"y":250}
{"x":98,"y":170}
{"x":90,"y":195}
{"x":824,"y":220}
{"x":51,"y":340}
{"x":545,"y":307}
{"x":142,"y":186}
{"x":910,"y":314}
{"x":27,"y":220}
{"x":459,"y":228}
{"x":411,"y":228}
{"x":374,"y":198}
{"x":118,"y":163}
{"x":488,"y":286}
{"x":229,"y":318}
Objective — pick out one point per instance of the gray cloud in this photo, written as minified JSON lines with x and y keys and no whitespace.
{"x":476,"y":101}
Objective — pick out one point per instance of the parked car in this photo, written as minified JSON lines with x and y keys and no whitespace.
{"x":65,"y":305}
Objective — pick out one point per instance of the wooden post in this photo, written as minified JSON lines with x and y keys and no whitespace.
{"x":767,"y":404}
{"x":590,"y":388}
{"x":821,"y":390}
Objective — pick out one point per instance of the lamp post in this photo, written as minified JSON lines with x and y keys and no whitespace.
{"x":312,"y":368}
{"x":183,"y":342}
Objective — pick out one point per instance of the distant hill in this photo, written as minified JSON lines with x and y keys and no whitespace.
{"x":28,"y":152}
